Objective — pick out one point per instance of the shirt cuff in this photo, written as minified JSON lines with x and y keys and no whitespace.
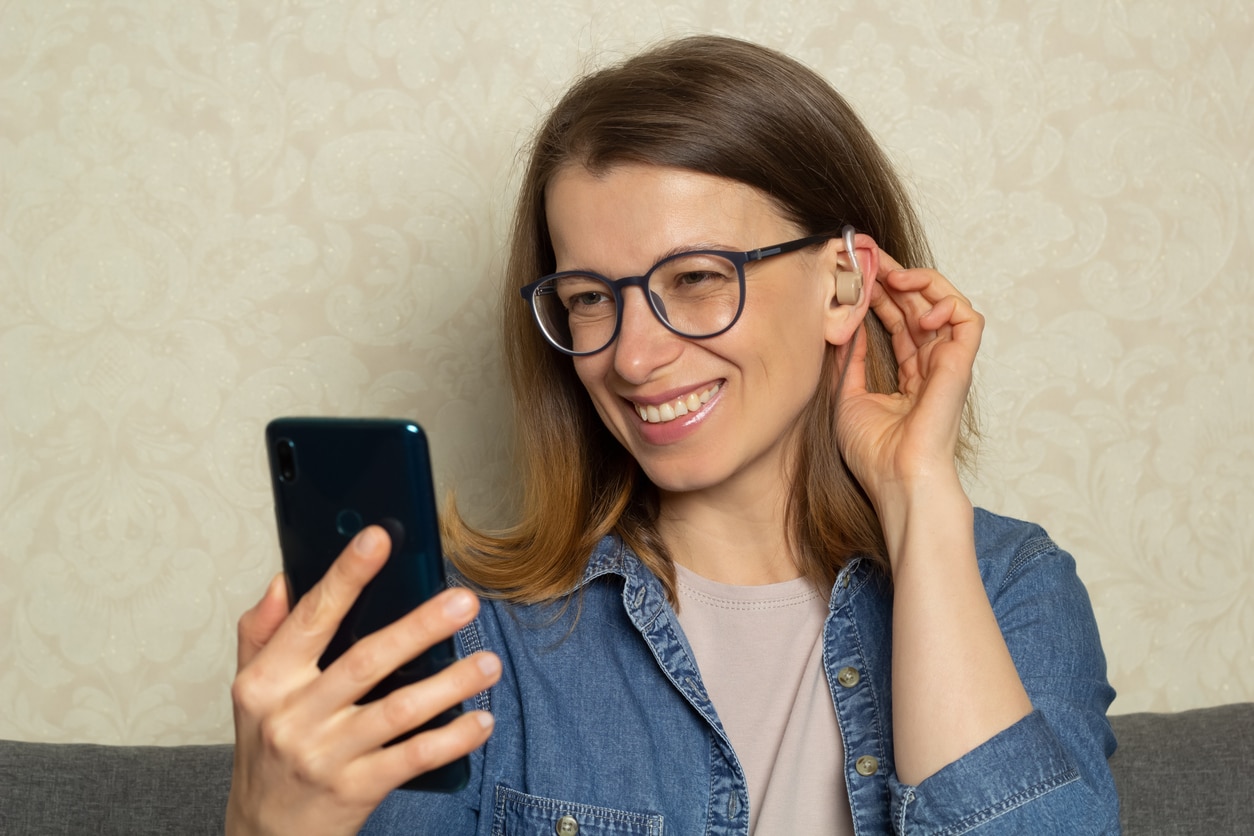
{"x":1013,"y":768}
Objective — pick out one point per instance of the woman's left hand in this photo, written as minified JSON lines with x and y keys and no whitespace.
{"x":902,"y":443}
{"x":955,"y":684}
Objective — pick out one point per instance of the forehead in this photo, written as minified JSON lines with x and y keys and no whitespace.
{"x":638,"y":213}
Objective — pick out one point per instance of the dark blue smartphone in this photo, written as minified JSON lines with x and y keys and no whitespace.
{"x":331,"y":478}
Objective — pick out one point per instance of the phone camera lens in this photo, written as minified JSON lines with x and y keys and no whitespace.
{"x":285,"y":453}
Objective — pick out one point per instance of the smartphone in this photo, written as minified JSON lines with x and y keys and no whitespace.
{"x":331,"y":478}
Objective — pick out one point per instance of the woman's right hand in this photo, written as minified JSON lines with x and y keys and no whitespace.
{"x":308,"y":759}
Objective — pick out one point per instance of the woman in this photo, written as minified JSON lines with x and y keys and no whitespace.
{"x":747,"y":591}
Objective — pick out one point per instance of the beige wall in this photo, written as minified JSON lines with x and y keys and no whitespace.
{"x":212,"y":213}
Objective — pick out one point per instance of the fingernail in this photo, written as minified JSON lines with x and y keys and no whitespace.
{"x":486,"y":720}
{"x":459,"y":604}
{"x":489,"y":664}
{"x":366,"y":540}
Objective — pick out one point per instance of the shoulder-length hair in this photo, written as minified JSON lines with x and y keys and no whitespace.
{"x":730,"y":109}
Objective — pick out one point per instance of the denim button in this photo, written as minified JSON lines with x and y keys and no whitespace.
{"x":566,"y":826}
{"x":848,"y":677}
{"x":867,"y":766}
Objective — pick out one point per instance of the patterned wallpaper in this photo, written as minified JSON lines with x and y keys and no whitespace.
{"x":213,"y":212}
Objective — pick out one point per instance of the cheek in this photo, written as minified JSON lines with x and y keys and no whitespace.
{"x":794,"y":329}
{"x":798,"y":299}
{"x":793,"y":367}
{"x":588,"y":370}
{"x":592,"y":372}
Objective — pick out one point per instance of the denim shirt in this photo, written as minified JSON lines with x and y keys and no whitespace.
{"x":603,"y":725}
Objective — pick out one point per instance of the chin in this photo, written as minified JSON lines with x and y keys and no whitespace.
{"x":679,"y":477}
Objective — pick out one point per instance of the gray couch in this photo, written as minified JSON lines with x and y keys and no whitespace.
{"x":1186,"y":773}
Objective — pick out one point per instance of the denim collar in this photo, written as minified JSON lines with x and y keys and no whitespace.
{"x":643,"y":595}
{"x":610,"y":556}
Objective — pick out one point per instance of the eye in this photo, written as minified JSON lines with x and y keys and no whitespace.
{"x":693,"y":277}
{"x":584,"y":295}
{"x":586,"y":299}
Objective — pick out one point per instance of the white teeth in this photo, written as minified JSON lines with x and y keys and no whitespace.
{"x":676,"y":409}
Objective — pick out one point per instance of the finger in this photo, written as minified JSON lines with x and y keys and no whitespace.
{"x":424,"y":752}
{"x":405,"y":709}
{"x":916,"y":278}
{"x":304,"y":635}
{"x":908,"y":290}
{"x":258,"y":625}
{"x":913,"y":302}
{"x":892,"y":310}
{"x":851,"y":357}
{"x":960,"y":330}
{"x":944,"y":367}
{"x":930,"y":284}
{"x":887,"y":264}
{"x":375,"y":656}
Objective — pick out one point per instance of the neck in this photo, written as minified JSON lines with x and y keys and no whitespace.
{"x":730,"y":536}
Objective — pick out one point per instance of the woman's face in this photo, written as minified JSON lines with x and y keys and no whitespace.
{"x":718,"y":411}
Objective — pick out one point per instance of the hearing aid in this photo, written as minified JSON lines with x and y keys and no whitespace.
{"x":849,"y":284}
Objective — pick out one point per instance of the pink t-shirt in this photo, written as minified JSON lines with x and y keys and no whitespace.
{"x":760,"y":652}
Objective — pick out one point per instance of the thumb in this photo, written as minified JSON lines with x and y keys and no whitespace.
{"x":258,"y":625}
{"x":851,"y":360}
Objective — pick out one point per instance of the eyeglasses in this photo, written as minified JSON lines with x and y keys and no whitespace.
{"x":696,"y":294}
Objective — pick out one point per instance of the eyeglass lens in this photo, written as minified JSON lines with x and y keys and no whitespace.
{"x":696,"y":294}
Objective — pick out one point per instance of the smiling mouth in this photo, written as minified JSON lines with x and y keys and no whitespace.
{"x":669,"y":411}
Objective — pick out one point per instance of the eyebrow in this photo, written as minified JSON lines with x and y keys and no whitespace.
{"x":704,"y":245}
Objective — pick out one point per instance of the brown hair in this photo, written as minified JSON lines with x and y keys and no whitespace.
{"x":731,"y":109}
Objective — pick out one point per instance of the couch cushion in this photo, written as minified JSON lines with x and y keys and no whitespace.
{"x":1182,"y":773}
{"x":85,"y":788}
{"x":1190,"y":772}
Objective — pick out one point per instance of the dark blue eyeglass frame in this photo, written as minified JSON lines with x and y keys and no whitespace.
{"x":739,"y":259}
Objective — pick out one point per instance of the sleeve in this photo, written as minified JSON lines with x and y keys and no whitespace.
{"x":1047,"y":773}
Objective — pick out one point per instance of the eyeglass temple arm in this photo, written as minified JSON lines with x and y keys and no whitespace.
{"x":791,"y":246}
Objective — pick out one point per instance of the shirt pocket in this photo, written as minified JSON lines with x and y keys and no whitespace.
{"x":520,"y":814}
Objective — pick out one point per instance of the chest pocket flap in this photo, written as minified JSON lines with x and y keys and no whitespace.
{"x":519,"y":814}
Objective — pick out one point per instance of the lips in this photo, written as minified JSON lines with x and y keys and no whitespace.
{"x":677,"y":408}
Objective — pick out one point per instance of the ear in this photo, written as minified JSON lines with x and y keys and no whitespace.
{"x":847,"y":304}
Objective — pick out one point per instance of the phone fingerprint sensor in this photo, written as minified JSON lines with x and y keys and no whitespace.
{"x":348,"y":522}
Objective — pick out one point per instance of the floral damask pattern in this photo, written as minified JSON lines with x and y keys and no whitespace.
{"x":213,"y":213}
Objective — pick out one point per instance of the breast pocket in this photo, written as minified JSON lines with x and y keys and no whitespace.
{"x":519,"y":814}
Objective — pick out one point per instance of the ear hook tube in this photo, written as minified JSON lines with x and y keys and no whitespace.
{"x":849,"y":285}
{"x":848,"y":232}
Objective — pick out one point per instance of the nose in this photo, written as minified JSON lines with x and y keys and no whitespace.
{"x":644,"y":344}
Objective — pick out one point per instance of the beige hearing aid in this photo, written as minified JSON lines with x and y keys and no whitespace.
{"x":849,"y":285}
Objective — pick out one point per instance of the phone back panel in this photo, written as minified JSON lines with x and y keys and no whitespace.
{"x":334,"y":476}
